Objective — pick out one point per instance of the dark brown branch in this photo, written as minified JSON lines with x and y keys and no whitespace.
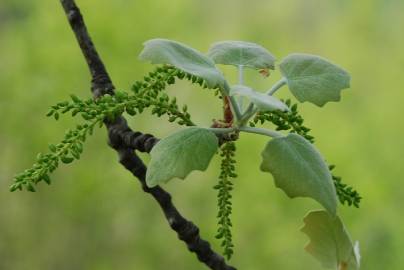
{"x":101,"y":82}
{"x":120,"y":133}
{"x":120,"y":136}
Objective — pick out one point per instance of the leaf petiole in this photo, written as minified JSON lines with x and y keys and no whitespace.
{"x":240,"y":82}
{"x":219,"y":131}
{"x":261,"y":131}
{"x":240,"y":74}
{"x":278,"y":85}
{"x":233,"y":103}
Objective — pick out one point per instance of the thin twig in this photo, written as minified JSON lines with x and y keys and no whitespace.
{"x":120,"y":136}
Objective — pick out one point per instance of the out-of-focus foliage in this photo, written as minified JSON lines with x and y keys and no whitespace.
{"x":95,"y":216}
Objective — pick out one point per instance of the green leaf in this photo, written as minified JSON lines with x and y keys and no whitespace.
{"x":330,"y":242}
{"x":179,"y":154}
{"x":299,"y":169}
{"x":262,"y":101}
{"x":240,"y":53}
{"x":314,"y":79}
{"x":163,"y":51}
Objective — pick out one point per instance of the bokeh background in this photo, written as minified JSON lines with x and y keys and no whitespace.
{"x":94,"y":216}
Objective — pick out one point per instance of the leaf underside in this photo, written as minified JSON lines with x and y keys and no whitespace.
{"x":183,"y":57}
{"x":330,"y":242}
{"x":314,"y":79}
{"x":299,"y":170}
{"x":262,"y":101}
{"x":180,"y":153}
{"x":241,"y":53}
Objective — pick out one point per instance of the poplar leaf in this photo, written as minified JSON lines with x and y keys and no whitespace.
{"x":241,"y":53}
{"x":314,"y":79}
{"x":299,"y":170}
{"x":180,"y":153}
{"x":262,"y":101}
{"x":330,"y":242}
{"x":183,"y":57}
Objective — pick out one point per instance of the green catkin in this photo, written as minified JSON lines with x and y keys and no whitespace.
{"x":145,"y":94}
{"x":290,"y":120}
{"x":224,"y":188}
{"x":346,"y":194}
{"x":68,"y":150}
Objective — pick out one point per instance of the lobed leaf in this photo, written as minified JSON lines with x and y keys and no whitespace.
{"x":180,"y":153}
{"x":262,"y":101}
{"x":299,"y":169}
{"x":241,"y":53}
{"x":330,"y":242}
{"x":187,"y":59}
{"x":314,"y":79}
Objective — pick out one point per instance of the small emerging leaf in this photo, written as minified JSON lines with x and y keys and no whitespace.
{"x":241,"y":53}
{"x":299,"y":169}
{"x":164,"y":51}
{"x":262,"y":101}
{"x":314,"y":79}
{"x":330,"y":242}
{"x":179,"y":154}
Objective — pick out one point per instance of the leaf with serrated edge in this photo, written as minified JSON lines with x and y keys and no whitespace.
{"x":314,"y":79}
{"x":180,"y":153}
{"x":241,"y":53}
{"x":262,"y":101}
{"x":183,"y":57}
{"x":299,"y":170}
{"x":330,"y":242}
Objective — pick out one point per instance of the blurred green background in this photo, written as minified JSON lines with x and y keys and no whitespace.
{"x":95,"y":216}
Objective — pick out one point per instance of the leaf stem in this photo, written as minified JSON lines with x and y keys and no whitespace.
{"x":249,"y":112}
{"x":251,"y":109}
{"x":240,"y":82}
{"x":221,"y":130}
{"x":233,"y":103}
{"x":261,"y":131}
{"x":240,"y":74}
{"x":278,"y":85}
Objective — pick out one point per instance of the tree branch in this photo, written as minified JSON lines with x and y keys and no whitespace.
{"x":121,"y":136}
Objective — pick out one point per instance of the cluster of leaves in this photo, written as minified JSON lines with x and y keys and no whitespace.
{"x":224,"y":187}
{"x":291,"y":120}
{"x":297,"y":167}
